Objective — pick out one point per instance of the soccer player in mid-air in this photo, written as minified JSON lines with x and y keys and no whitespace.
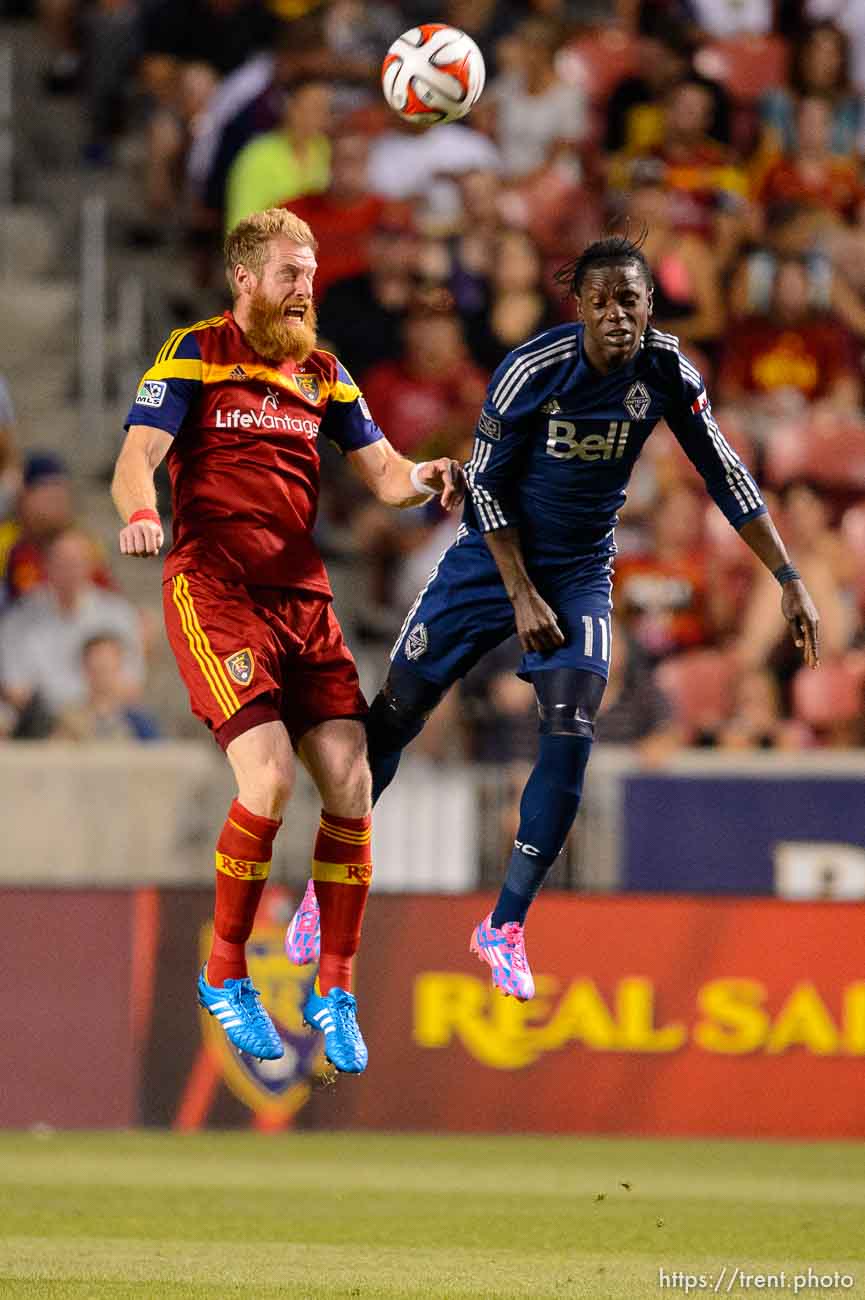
{"x":236,"y":403}
{"x":565,"y":418}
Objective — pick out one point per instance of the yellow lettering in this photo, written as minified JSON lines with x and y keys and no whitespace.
{"x":494,"y":1029}
{"x":804,"y":1020}
{"x":582,"y":1015}
{"x":853,"y":1018}
{"x":734,"y":1021}
{"x":635,"y":1012}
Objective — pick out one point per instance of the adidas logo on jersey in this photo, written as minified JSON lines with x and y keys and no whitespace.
{"x":238,"y":373}
{"x":551,"y":407}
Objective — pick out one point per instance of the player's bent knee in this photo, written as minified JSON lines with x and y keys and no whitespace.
{"x":267,"y":785}
{"x":401,"y":708}
{"x":568,"y":701}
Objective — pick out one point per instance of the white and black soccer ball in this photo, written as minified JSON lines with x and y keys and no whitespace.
{"x":433,"y":73}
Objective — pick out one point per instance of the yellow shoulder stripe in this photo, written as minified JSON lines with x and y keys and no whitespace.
{"x":180,"y":368}
{"x":211,"y":323}
{"x":342,"y":392}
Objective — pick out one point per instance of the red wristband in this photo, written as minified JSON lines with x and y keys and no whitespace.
{"x":138,"y":515}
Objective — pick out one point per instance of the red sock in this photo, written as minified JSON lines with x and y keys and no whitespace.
{"x":342,"y":870}
{"x":243,"y":853}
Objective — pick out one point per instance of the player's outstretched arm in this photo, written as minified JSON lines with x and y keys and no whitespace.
{"x":133,"y":492}
{"x":397,"y":481}
{"x":797,"y":606}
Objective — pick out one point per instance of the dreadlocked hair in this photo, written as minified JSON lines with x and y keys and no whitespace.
{"x":612,"y":250}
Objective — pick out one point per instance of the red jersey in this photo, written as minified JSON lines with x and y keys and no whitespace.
{"x":764,"y":356}
{"x":244,"y":464}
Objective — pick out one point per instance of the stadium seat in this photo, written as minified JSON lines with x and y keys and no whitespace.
{"x":698,"y":685}
{"x":597,"y":61}
{"x":746,"y":65}
{"x":831,"y":694}
{"x":834,"y":458}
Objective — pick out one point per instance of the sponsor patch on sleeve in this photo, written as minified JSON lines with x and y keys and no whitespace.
{"x":700,"y":403}
{"x":151,"y":393}
{"x":489,"y":426}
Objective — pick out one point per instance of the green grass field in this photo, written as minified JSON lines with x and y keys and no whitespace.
{"x":152,"y":1216}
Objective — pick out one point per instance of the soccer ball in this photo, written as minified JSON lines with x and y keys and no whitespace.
{"x":433,"y":73}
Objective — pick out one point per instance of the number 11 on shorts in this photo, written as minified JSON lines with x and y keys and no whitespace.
{"x":601,"y":624}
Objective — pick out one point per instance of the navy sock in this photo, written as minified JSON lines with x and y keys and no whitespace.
{"x":547,"y":811}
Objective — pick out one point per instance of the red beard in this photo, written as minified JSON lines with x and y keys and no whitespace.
{"x":277,"y":338}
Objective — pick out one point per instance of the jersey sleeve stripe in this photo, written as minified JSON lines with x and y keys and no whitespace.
{"x":211,"y":323}
{"x":182,"y":368}
{"x":166,"y":347}
{"x":523,"y":369}
{"x":342,"y":392}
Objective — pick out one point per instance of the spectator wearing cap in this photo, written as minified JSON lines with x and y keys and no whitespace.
{"x":43,"y":634}
{"x":44,"y":509}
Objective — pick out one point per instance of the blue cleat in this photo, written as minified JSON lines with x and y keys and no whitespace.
{"x":336,"y":1017}
{"x":238,"y":1009}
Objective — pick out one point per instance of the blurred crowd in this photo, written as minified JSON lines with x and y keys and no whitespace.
{"x":731,"y":131}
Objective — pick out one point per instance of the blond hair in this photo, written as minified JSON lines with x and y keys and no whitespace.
{"x":246,"y":245}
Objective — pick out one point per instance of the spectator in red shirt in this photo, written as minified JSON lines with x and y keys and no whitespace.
{"x":430,"y":397}
{"x":793,"y":350}
{"x":663,"y":594}
{"x":345,"y":215}
{"x":45,"y":510}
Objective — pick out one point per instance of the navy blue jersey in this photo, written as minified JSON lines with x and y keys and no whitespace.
{"x":556,"y":442}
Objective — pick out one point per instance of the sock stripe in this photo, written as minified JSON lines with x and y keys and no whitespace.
{"x":342,"y":873}
{"x":347,"y":836}
{"x":241,"y":868}
{"x":237,"y":826}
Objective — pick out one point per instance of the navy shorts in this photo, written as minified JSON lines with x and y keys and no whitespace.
{"x":464,"y":611}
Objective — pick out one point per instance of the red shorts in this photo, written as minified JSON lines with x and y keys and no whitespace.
{"x":282,"y":649}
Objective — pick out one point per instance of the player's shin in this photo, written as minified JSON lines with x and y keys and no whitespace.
{"x":341,"y":871}
{"x":243,"y":853}
{"x":547,"y":811}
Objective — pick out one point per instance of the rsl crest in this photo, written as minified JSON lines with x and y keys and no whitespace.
{"x":241,"y":666}
{"x":309,"y":387}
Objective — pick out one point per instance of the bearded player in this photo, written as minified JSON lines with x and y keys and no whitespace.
{"x":566,"y":416}
{"x":235,"y":403}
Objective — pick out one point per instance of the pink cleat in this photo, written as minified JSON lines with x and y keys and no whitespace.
{"x":504,"y":951}
{"x":303,"y":936}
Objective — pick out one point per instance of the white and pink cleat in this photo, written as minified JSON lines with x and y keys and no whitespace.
{"x":303,"y":936}
{"x":504,"y":951}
